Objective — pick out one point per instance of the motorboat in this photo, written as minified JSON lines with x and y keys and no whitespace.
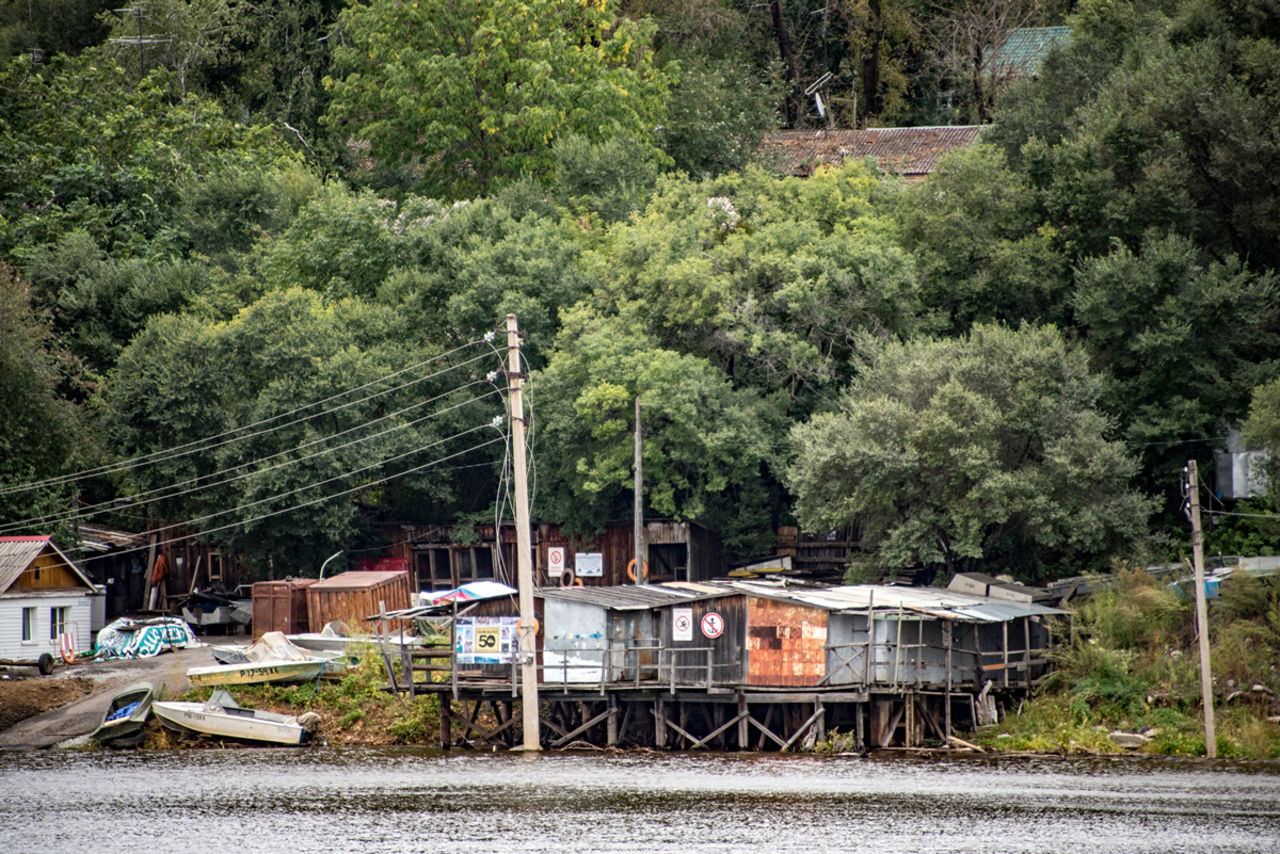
{"x":221,"y":716}
{"x":123,"y":720}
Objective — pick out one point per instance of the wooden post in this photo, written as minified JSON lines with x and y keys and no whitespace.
{"x":642,"y":564}
{"x":744,"y":731}
{"x":611,"y":727}
{"x":524,"y":544}
{"x":659,"y":723}
{"x":1202,"y":611}
{"x":947,"y":644}
{"x":446,"y":722}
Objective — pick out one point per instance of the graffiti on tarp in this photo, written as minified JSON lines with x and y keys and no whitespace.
{"x":126,"y":638}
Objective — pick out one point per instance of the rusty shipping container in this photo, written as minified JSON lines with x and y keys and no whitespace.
{"x":350,"y":597}
{"x":280,"y":606}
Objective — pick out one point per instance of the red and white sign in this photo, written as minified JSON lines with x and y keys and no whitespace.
{"x":682,"y":624}
{"x":555,"y":561}
{"x":712,"y":625}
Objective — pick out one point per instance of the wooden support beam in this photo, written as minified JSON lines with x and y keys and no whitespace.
{"x":659,"y":723}
{"x":611,"y":729}
{"x":744,"y":733}
{"x":795,"y":736}
{"x":446,"y":722}
{"x":765,"y":731}
{"x":583,"y":727}
{"x":724,"y":726}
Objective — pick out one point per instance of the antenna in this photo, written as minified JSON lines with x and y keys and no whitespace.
{"x":814,"y":90}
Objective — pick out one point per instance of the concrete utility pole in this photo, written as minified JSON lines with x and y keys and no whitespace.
{"x":1202,"y":611}
{"x":524,"y":546}
{"x":642,"y":564}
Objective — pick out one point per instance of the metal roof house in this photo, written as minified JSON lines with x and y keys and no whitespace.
{"x":912,"y":153}
{"x":46,"y":601}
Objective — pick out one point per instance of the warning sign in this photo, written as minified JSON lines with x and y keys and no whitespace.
{"x":555,"y":561}
{"x":682,"y":624}
{"x":712,"y":625}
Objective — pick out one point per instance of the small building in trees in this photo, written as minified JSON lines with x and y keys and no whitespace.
{"x":912,"y":153}
{"x":46,"y":601}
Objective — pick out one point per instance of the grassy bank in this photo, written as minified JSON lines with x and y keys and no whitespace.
{"x":1132,"y":666}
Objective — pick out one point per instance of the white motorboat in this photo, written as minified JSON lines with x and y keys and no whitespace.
{"x":222,"y":716}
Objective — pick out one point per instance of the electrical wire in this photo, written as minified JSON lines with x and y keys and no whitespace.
{"x":211,"y":442}
{"x":284,"y":510}
{"x":202,"y":482}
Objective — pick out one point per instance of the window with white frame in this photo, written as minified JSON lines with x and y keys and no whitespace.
{"x":58,"y":620}
{"x":28,"y":625}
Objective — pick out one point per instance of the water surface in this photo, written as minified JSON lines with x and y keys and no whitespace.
{"x":365,"y":800}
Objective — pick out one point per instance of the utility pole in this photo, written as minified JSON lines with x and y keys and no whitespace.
{"x":1192,"y":487}
{"x":642,"y":565}
{"x":524,"y":546}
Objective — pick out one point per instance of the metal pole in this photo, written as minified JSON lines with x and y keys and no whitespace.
{"x":1202,"y":611}
{"x":524,"y":545}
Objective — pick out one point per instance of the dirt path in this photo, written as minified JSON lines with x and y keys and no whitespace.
{"x":41,"y":711}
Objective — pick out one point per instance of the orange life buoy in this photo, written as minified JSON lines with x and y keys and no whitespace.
{"x":537,"y":627}
{"x":67,"y":647}
{"x":644,"y":569}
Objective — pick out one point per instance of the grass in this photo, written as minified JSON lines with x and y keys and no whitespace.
{"x":1134,"y":667}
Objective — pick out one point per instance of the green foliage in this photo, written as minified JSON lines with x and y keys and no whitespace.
{"x":38,"y":427}
{"x":610,"y":178}
{"x":702,"y":437}
{"x":461,"y":96}
{"x":950,"y":452}
{"x":52,"y":26}
{"x":717,"y":116}
{"x":982,"y":257}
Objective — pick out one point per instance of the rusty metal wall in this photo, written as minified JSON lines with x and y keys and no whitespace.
{"x":281,"y":606}
{"x":786,"y":643}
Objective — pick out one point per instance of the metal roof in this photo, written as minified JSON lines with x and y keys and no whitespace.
{"x":903,"y":151}
{"x":18,"y":553}
{"x":933,"y":601}
{"x":1026,"y":47}
{"x":621,"y":598}
{"x":357,"y":580}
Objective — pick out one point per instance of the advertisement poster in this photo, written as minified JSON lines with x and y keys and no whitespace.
{"x":486,"y":640}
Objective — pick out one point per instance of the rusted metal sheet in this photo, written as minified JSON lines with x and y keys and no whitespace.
{"x":785,"y":644}
{"x":281,"y":606}
{"x":351,"y":596}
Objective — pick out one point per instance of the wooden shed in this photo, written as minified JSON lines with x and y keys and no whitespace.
{"x":350,"y":597}
{"x":281,"y":606}
{"x":46,"y":601}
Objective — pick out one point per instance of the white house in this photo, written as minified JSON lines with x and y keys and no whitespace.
{"x":43,"y":596}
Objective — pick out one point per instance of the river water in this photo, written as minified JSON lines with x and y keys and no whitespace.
{"x":367,"y":800}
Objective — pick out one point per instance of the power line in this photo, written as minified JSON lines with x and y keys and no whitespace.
{"x":107,"y":506}
{"x":211,"y":442}
{"x":299,"y":506}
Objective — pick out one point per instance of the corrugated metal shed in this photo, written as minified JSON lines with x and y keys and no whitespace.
{"x":910,"y":152}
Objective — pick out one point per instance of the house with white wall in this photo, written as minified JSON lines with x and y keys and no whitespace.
{"x":46,"y":601}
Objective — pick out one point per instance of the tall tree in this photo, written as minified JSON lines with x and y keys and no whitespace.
{"x":966,"y":453}
{"x":460,"y":96}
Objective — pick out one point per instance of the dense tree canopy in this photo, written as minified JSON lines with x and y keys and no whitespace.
{"x":971,"y":451}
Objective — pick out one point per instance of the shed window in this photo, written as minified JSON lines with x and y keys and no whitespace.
{"x":58,"y":619}
{"x":28,"y":625}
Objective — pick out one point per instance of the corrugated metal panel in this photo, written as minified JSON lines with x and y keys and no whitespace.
{"x":785,"y":643}
{"x":904,"y":151}
{"x":620,"y":598}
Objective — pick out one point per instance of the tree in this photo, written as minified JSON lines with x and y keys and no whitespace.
{"x":462,"y":96}
{"x":703,"y":440}
{"x":39,"y":432}
{"x":968,"y":34}
{"x":334,"y":469}
{"x":1262,"y":430}
{"x":983,"y":451}
{"x":1181,"y":343}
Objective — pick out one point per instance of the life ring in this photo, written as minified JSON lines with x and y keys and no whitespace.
{"x":644,"y":569}
{"x":67,"y":647}
{"x":537,"y":627}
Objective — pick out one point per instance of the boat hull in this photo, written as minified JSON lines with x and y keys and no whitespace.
{"x":124,"y":719}
{"x":256,"y":672}
{"x":237,"y":723}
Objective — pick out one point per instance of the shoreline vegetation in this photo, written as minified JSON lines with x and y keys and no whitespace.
{"x":1125,"y":682}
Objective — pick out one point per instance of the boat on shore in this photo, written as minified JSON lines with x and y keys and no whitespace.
{"x":273,"y":658}
{"x":221,"y":716}
{"x":123,"y":720}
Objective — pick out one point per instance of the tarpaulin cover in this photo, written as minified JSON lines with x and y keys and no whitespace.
{"x":126,"y":638}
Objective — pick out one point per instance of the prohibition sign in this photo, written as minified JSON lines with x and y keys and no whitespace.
{"x":683,"y":624}
{"x":712,"y":625}
{"x":555,"y":561}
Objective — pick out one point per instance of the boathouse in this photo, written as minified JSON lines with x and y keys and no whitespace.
{"x":748,"y":664}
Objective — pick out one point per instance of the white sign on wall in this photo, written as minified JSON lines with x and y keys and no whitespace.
{"x":486,"y":640}
{"x":555,"y":561}
{"x":682,"y":624}
{"x":588,"y":564}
